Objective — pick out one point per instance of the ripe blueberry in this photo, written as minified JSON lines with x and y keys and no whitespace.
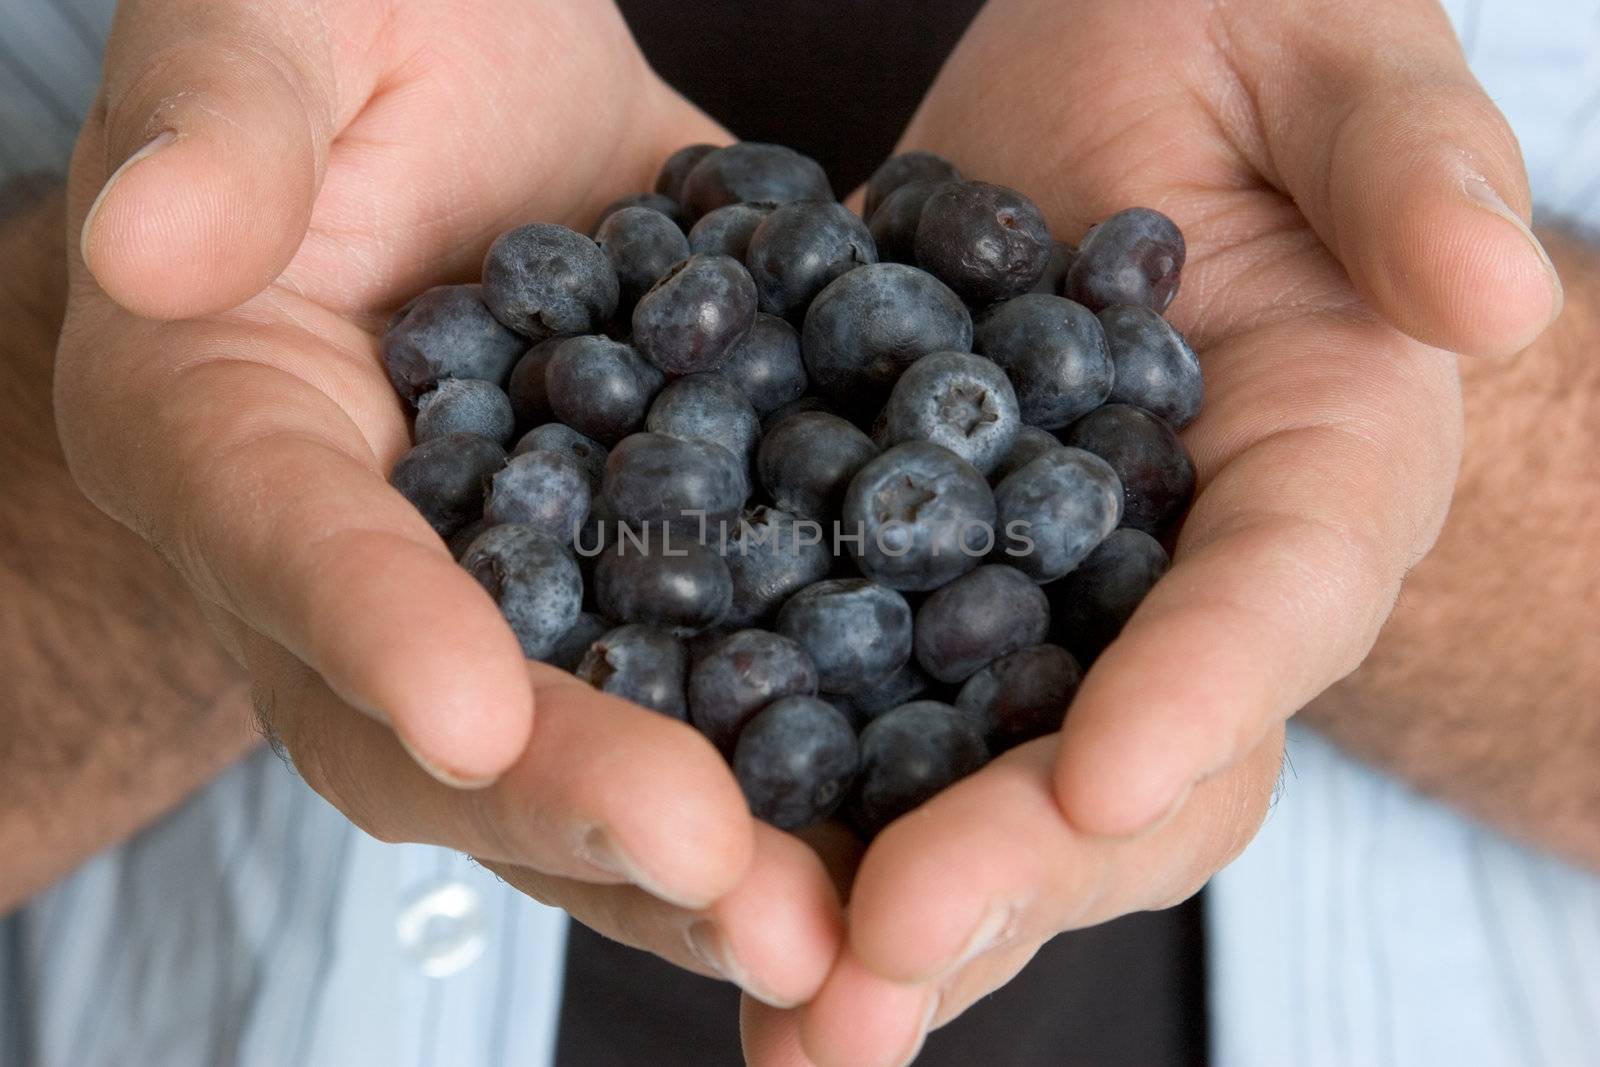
{"x":987,"y":242}
{"x":586,"y":452}
{"x":644,"y":664}
{"x":465,"y":405}
{"x":1054,"y":510}
{"x":1092,"y":604}
{"x":1134,"y":257}
{"x":800,"y":248}
{"x":904,"y":169}
{"x":1022,"y":695}
{"x":533,"y":578}
{"x":766,"y":366}
{"x":642,"y":245}
{"x":856,"y":632}
{"x":544,"y":280}
{"x":652,"y":479}
{"x":1158,"y":477}
{"x":770,"y":557}
{"x":1156,"y":368}
{"x":925,"y":516}
{"x":806,"y":462}
{"x":665,"y":580}
{"x":445,"y":478}
{"x":447,"y":332}
{"x":706,"y":407}
{"x":1055,"y":352}
{"x":546,"y":490}
{"x":978,"y":618}
{"x":728,"y":230}
{"x":795,"y":762}
{"x":599,"y":387}
{"x":694,"y":316}
{"x":908,"y":755}
{"x":962,"y":402}
{"x":740,"y":675}
{"x":751,"y":172}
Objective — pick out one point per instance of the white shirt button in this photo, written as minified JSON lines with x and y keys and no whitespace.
{"x":440,"y":927}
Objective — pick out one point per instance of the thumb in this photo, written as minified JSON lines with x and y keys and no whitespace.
{"x":204,"y":156}
{"x":1407,"y":171}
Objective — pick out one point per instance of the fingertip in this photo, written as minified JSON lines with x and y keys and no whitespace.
{"x":193,"y":224}
{"x":459,"y":699}
{"x":658,"y":772}
{"x":861,"y":1020}
{"x":1460,"y":270}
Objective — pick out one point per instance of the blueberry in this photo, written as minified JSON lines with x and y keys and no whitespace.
{"x":663,"y":579}
{"x":856,"y":632}
{"x":530,"y":401}
{"x":642,"y":245}
{"x":546,"y":490}
{"x":1022,"y":695}
{"x":807,"y":460}
{"x":599,"y":387}
{"x":766,"y":366}
{"x":925,"y":516}
{"x":445,"y":478}
{"x":533,"y":578}
{"x":904,"y":169}
{"x":893,"y":223}
{"x":960,"y":401}
{"x":1054,"y":278}
{"x":465,"y":405}
{"x":984,"y":241}
{"x":1092,"y":604}
{"x":544,"y":280}
{"x":802,"y":405}
{"x":462,"y":539}
{"x":589,"y":454}
{"x":644,"y":664}
{"x":751,"y":172}
{"x":652,"y":479}
{"x":706,"y":407}
{"x":1158,"y":477}
{"x":1031,"y":443}
{"x":871,"y":324}
{"x":771,"y":555}
{"x":908,"y":755}
{"x":740,"y":675}
{"x":728,"y":229}
{"x":1134,"y":257}
{"x":574,"y":644}
{"x":447,"y":332}
{"x":978,"y":618}
{"x":903,"y":686}
{"x":669,"y":182}
{"x":801,"y":247}
{"x":1055,"y":353}
{"x":795,"y":762}
{"x":695,"y":315}
{"x":661,"y":205}
{"x":1156,"y":368}
{"x":1054,"y":510}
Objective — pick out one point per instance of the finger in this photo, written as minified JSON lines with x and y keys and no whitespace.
{"x":206,"y":148}
{"x":769,"y":1036}
{"x":603,"y":792}
{"x":1372,"y":121}
{"x":1041,"y":876}
{"x":270,"y":500}
{"x":774,"y":935}
{"x":917,"y":959}
{"x":1326,"y":456}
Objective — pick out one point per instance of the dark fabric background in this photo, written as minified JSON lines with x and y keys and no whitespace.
{"x":835,"y":79}
{"x":838,"y":80}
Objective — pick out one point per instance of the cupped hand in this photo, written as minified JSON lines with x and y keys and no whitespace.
{"x":1350,"y":197}
{"x":257,"y":188}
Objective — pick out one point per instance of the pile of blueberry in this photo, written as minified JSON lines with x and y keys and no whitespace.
{"x":859,"y":500}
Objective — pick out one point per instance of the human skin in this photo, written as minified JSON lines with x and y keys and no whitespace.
{"x":1352,"y":200}
{"x":332,"y":597}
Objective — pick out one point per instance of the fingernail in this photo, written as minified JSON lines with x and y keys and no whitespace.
{"x":708,"y":945}
{"x":598,"y":848}
{"x":439,"y":774}
{"x":992,"y":928}
{"x":151,"y":147}
{"x":928,"y":1014}
{"x":1480,"y":190}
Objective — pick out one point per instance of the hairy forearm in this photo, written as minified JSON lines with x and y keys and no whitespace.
{"x":1484,"y":688}
{"x":117,"y":702}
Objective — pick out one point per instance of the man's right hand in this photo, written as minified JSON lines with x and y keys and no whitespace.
{"x":257,"y":187}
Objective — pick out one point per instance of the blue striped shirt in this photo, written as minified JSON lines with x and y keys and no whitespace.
{"x":254,"y":926}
